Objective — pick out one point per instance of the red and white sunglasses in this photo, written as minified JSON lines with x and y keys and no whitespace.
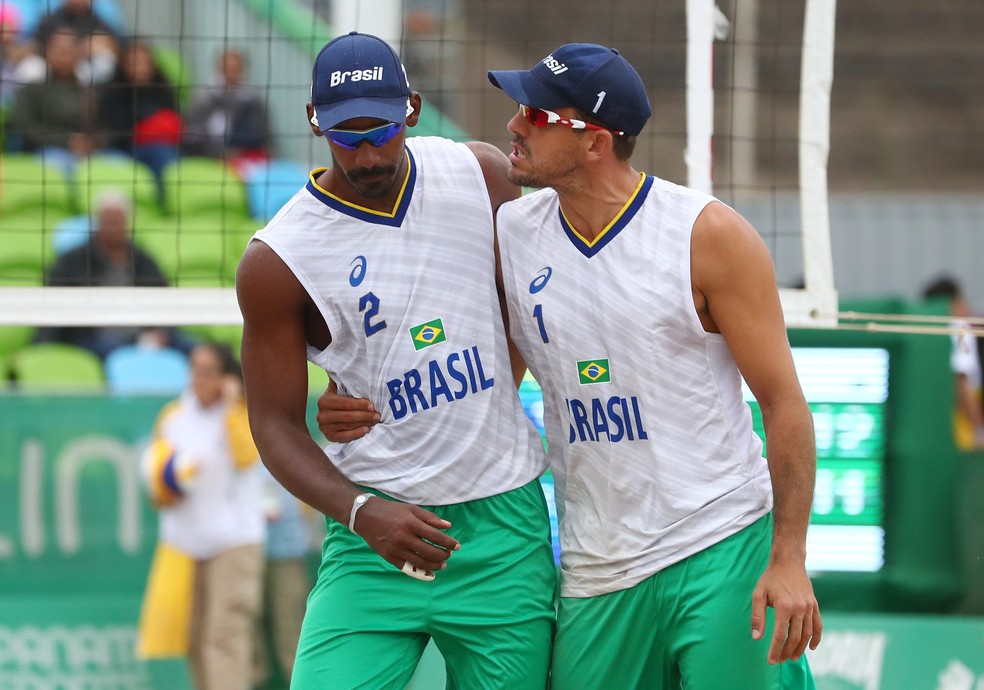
{"x":538,"y":117}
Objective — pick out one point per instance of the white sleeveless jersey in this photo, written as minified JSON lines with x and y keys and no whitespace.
{"x":410,"y":300}
{"x":651,"y":445}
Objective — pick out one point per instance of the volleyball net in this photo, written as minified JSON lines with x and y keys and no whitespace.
{"x":740,"y":94}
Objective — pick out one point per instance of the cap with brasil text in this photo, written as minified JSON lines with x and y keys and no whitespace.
{"x":589,"y":77}
{"x":359,"y":75}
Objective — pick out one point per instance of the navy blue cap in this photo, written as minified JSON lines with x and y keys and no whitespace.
{"x":359,"y":75}
{"x":589,"y":77}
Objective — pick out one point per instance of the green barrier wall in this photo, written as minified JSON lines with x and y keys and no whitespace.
{"x":879,"y":652}
{"x":76,"y":537}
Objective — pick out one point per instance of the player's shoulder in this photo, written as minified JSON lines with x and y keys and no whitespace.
{"x":672,"y":189}
{"x":426,"y":145}
{"x":531,"y":202}
{"x":522,"y":218}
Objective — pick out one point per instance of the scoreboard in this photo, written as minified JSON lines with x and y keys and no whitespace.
{"x":847,"y":390}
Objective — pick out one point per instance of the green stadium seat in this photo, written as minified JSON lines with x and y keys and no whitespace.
{"x":101,"y":173}
{"x":191,"y":251}
{"x":26,"y":246}
{"x":14,"y":339}
{"x":57,"y":367}
{"x":226,"y":335}
{"x":5,"y":382}
{"x":237,"y":237}
{"x":317,"y":380}
{"x":28,"y":184}
{"x":195,"y":184}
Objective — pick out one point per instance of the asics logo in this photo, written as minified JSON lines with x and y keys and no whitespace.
{"x":358,"y":272}
{"x":541,"y":280}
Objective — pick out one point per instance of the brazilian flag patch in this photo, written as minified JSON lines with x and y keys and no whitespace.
{"x":593,"y":371}
{"x":427,"y":334}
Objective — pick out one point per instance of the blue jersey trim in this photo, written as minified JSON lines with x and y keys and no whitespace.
{"x":627,"y":213}
{"x":393,"y":219}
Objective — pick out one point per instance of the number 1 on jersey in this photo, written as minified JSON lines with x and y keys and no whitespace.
{"x":538,"y":315}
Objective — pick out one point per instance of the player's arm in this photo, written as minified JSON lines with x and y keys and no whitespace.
{"x":273,"y":305}
{"x":495,"y":166}
{"x":736,"y":295}
{"x":516,"y":361}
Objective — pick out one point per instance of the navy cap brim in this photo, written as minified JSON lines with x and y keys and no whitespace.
{"x":525,"y":88}
{"x":389,"y":109}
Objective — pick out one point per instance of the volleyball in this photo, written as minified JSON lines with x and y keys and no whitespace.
{"x":169,"y":475}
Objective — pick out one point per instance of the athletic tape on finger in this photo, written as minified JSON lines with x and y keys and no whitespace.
{"x":413,"y":572}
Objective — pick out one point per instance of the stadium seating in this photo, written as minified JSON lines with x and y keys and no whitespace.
{"x":226,"y":335}
{"x":270,"y":185}
{"x":151,"y":370}
{"x":195,"y":184}
{"x":14,"y":338}
{"x":192,"y":251}
{"x":57,"y":367}
{"x":25,"y":246}
{"x":317,"y":380}
{"x":100,"y":173}
{"x":27,"y":183}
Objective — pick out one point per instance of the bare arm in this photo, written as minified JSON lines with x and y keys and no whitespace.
{"x":495,"y":165}
{"x":275,"y":371}
{"x":735,"y":294}
{"x":273,"y":304}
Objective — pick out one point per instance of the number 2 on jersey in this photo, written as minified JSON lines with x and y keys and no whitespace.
{"x":369,"y":304}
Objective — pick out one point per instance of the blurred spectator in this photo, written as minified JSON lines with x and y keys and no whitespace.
{"x":76,"y":16}
{"x":968,"y":422}
{"x":13,"y":52}
{"x":108,"y":259}
{"x":99,"y":64}
{"x":286,"y":583}
{"x":228,"y":119}
{"x":53,"y":116}
{"x":204,"y":476}
{"x":138,"y":111}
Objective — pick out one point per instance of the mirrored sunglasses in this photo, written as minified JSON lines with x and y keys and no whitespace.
{"x":377,"y":136}
{"x":538,"y":117}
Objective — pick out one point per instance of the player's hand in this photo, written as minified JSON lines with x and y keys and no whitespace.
{"x":788,"y":590}
{"x":342,"y":418}
{"x":406,"y":534}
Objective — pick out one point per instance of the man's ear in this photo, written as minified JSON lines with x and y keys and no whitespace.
{"x":313,"y":120}
{"x":415,"y":106}
{"x":601,"y":143}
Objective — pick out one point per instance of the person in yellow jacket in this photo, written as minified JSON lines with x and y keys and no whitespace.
{"x":968,"y":410}
{"x":202,"y":472}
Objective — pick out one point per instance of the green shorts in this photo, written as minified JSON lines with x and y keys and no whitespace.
{"x":490,"y":612}
{"x":688,"y":626}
